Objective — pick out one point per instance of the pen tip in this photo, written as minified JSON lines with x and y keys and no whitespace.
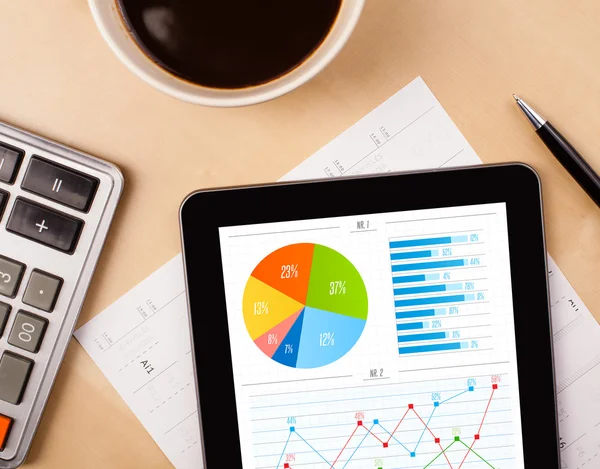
{"x":517,"y":99}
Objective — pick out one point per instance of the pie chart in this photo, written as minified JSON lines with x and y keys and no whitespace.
{"x":305,"y":305}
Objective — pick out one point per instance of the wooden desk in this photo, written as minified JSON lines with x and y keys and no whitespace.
{"x":61,"y":80}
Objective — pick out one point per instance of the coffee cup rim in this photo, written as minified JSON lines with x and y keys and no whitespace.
{"x":113,"y":30}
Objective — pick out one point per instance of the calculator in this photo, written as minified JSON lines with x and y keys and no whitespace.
{"x":56,"y":207}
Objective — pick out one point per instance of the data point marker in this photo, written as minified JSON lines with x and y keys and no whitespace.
{"x":385,"y":444}
{"x":436,"y":404}
{"x":411,"y":406}
{"x":286,"y":465}
{"x":471,"y":388}
{"x":494,"y":386}
{"x":477,"y":436}
{"x":376,"y":422}
{"x":457,"y":438}
{"x":359,"y":422}
{"x":292,"y":429}
{"x":413,"y":454}
{"x":437,"y":440}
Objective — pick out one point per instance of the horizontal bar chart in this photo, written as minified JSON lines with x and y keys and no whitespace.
{"x":438,"y":280}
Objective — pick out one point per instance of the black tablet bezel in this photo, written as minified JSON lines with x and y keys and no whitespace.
{"x":203,"y":213}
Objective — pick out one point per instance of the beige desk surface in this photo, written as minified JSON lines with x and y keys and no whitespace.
{"x":58,"y":78}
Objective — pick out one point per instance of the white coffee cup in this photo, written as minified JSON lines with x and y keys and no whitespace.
{"x":109,"y":21}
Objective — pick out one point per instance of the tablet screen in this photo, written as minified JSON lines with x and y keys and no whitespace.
{"x":384,"y":340}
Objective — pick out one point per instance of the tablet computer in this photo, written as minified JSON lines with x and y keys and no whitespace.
{"x":395,"y":321}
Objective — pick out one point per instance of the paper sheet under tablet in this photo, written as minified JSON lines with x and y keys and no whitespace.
{"x":142,"y":343}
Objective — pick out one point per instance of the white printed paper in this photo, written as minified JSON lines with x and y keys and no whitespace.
{"x":142,"y":341}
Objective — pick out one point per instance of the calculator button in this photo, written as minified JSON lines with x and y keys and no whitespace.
{"x":44,"y":225}
{"x":28,"y":331}
{"x":10,"y":161}
{"x":60,"y":184}
{"x":11,"y":273}
{"x":3,"y":200}
{"x":42,"y":290}
{"x":5,"y":424}
{"x":14,"y":374}
{"x":4,"y":312}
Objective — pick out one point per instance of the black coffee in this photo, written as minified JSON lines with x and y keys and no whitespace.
{"x":229,"y":43}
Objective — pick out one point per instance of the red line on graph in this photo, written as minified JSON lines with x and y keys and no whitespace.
{"x":465,"y":458}
{"x":486,"y":409}
{"x":381,"y":441}
{"x":444,"y":453}
{"x":338,"y":456}
{"x":424,"y":424}
{"x":397,"y":425}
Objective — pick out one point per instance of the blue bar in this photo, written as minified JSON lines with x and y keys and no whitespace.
{"x":421,"y":313}
{"x":422,"y":289}
{"x":433,"y":348}
{"x":399,"y":256}
{"x":430,"y":265}
{"x":416,"y":278}
{"x":409,"y":243}
{"x":426,"y":336}
{"x":411,"y":326}
{"x":433,"y":300}
{"x":428,"y":289}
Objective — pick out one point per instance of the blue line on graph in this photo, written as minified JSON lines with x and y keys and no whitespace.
{"x":394,"y":438}
{"x":425,"y":428}
{"x":415,"y":278}
{"x":433,"y":348}
{"x":409,"y":243}
{"x":434,"y":300}
{"x":399,"y":256}
{"x":285,"y":446}
{"x":428,"y":289}
{"x":430,"y":265}
{"x":356,"y":449}
{"x":311,"y":447}
{"x":421,"y":313}
{"x":459,"y":394}
{"x":425,"y":336}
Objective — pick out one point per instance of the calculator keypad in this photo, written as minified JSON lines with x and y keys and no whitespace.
{"x":44,"y":225}
{"x":56,"y":206}
{"x":14,"y":374}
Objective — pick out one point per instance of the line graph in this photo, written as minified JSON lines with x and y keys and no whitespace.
{"x":385,"y":442}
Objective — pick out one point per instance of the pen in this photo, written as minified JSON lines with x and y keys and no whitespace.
{"x":564,"y":152}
